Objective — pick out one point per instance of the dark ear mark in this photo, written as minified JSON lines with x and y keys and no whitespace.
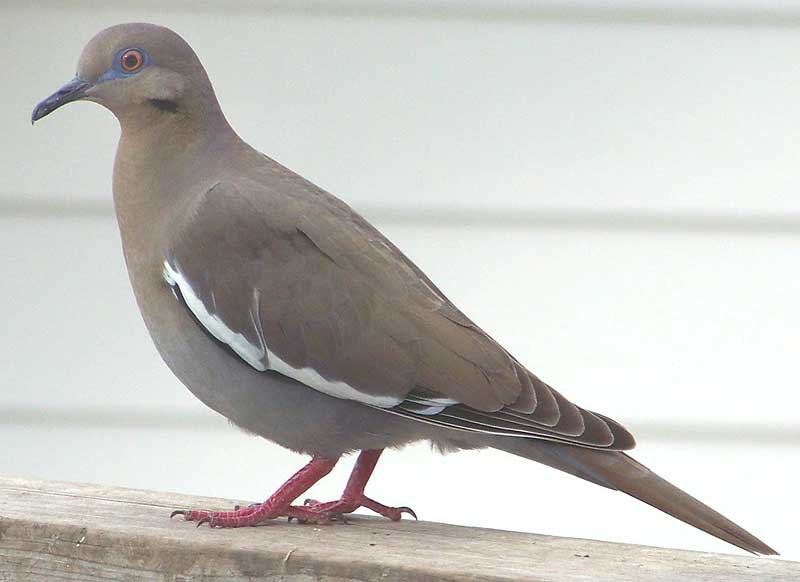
{"x":164,"y":105}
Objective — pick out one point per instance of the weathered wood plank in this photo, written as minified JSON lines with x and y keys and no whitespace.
{"x":65,"y":531}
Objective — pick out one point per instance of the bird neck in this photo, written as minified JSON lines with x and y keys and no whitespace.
{"x":160,"y":166}
{"x":166,"y":129}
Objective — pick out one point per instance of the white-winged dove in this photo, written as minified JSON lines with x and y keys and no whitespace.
{"x":284,"y":310}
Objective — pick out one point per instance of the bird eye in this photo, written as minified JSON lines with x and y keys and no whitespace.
{"x":131,"y":60}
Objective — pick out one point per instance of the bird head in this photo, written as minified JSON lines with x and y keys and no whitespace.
{"x":140,"y":71}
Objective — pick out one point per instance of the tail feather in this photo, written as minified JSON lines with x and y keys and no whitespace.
{"x":617,"y":470}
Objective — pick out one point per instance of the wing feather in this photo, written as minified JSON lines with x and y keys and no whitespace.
{"x":308,"y":288}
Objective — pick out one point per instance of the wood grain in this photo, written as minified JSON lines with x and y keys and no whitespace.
{"x":52,"y":531}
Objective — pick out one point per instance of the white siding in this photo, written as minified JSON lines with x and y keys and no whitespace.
{"x":609,"y":189}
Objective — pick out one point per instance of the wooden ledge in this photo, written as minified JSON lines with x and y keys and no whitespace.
{"x":66,"y":531}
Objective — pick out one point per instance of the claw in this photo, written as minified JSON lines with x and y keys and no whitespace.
{"x":409,"y":511}
{"x":238,"y":507}
{"x":309,"y":501}
{"x":178,"y":512}
{"x":207,"y":520}
{"x":299,"y":520}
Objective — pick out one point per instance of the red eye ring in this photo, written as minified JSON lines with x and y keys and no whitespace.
{"x":131,"y":60}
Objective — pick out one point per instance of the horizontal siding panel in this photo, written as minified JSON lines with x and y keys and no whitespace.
{"x":632,"y":325}
{"x":704,"y":12}
{"x":647,"y":430}
{"x":515,"y":114}
{"x":645,"y":222}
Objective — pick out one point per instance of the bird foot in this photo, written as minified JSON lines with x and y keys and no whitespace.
{"x":279,"y":504}
{"x":239,"y":517}
{"x":252,"y":515}
{"x":337,"y":510}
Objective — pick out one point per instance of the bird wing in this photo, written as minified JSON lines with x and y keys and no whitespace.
{"x":304,"y":286}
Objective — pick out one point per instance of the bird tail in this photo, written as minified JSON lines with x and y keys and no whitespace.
{"x":616,"y":470}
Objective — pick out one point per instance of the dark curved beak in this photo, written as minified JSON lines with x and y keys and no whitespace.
{"x":72,"y":91}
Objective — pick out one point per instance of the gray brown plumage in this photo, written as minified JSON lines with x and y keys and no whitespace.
{"x":281,"y":308}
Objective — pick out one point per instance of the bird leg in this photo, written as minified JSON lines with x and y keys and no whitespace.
{"x":353,"y":496}
{"x":277,"y":505}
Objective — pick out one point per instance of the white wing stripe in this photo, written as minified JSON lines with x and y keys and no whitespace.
{"x":253,"y":355}
{"x":335,"y":388}
{"x":260,"y":357}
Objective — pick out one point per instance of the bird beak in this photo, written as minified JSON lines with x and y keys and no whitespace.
{"x":72,"y":91}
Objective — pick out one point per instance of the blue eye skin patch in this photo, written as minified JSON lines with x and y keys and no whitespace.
{"x":117,"y":72}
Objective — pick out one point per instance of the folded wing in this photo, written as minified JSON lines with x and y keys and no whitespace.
{"x":305,"y":287}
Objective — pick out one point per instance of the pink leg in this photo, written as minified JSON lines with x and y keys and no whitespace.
{"x":353,"y":496}
{"x":278,"y":504}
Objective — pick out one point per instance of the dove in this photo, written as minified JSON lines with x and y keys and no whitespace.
{"x":281,"y":308}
